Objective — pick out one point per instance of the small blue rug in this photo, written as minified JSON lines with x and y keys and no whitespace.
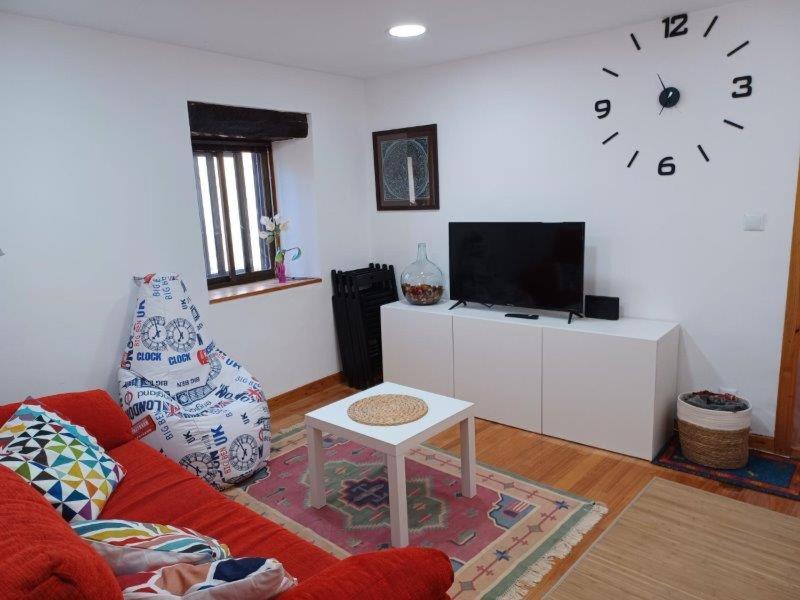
{"x":764,"y":472}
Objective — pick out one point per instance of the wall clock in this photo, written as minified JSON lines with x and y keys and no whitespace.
{"x":668,"y":96}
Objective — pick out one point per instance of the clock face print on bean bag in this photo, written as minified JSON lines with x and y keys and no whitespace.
{"x":154,"y":333}
{"x":181,"y":335}
{"x":186,"y":397}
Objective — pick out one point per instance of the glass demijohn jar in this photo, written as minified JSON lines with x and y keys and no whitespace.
{"x":422,"y":281}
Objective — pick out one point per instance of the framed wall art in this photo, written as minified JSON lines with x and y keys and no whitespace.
{"x":406,"y":168}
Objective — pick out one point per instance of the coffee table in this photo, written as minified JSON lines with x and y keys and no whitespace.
{"x":394,"y":441}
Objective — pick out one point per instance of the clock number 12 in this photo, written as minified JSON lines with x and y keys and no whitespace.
{"x":602,"y":108}
{"x":666,"y":166}
{"x":675,"y":25}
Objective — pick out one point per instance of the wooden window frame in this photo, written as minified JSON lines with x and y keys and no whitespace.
{"x":215,"y":151}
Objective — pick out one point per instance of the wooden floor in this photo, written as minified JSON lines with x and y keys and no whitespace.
{"x":677,"y":543}
{"x":612,"y":479}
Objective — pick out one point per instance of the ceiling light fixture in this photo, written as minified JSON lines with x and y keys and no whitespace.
{"x":408,"y":30}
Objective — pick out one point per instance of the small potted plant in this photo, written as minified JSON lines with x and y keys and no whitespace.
{"x":273,"y":228}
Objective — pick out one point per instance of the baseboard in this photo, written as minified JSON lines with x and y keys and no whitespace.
{"x":762,"y":442}
{"x":308,"y":389}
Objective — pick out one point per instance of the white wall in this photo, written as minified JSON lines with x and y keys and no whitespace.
{"x":519,"y":140}
{"x":97,"y":184}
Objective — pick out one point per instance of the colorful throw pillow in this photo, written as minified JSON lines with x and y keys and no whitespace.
{"x":59,"y":459}
{"x":130,"y":546}
{"x":240,"y":578}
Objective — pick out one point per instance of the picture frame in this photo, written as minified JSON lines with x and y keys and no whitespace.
{"x":406,"y":168}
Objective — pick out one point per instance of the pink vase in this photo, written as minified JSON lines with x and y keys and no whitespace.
{"x":280,"y":271}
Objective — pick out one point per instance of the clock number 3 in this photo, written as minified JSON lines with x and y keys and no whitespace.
{"x":602,"y":108}
{"x":675,"y":25}
{"x":745,"y":83}
{"x":666,"y":166}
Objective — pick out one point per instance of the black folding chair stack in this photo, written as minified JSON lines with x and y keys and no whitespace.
{"x":357,"y":299}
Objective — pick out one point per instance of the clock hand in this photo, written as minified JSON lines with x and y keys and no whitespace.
{"x":661,"y":80}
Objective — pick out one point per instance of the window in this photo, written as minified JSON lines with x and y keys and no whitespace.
{"x":235,"y":188}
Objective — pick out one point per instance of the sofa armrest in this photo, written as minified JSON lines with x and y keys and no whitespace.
{"x":400,"y":574}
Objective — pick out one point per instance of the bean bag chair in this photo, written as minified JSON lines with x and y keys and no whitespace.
{"x":185,"y":397}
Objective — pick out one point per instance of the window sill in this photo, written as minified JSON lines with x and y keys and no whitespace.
{"x":257,"y":288}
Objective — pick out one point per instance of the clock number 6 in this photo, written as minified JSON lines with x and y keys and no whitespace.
{"x":678,"y":23}
{"x":602,"y":108}
{"x":745,"y":83}
{"x":666,"y":166}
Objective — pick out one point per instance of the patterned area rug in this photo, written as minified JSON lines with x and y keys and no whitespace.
{"x":763,"y":472}
{"x":500,"y":543}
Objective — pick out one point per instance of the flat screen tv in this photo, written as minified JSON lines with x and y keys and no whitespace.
{"x":531,"y":265}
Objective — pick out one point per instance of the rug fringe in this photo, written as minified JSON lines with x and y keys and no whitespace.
{"x":536,"y":572}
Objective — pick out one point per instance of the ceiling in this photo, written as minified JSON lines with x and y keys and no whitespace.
{"x":348,"y":37}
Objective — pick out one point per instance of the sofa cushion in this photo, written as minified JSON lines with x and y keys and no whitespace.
{"x":156,"y":490}
{"x":132,"y":546}
{"x":93,"y":409}
{"x":240,"y":578}
{"x":40,"y":555}
{"x":59,"y":459}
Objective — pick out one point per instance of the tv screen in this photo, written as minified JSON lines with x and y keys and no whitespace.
{"x":532,"y":265}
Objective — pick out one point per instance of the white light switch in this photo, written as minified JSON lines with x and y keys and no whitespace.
{"x":755,"y":222}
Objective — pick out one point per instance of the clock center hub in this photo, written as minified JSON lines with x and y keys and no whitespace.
{"x":669,"y":97}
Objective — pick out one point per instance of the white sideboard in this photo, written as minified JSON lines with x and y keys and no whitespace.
{"x":609,"y":384}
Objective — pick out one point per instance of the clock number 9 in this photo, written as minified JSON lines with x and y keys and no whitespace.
{"x":745,"y":83}
{"x":602,"y":108}
{"x":678,"y":23}
{"x":666,"y":166}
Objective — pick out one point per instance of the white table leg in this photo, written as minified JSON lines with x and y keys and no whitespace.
{"x":316,"y":466}
{"x":398,"y":506}
{"x":468,"y":457}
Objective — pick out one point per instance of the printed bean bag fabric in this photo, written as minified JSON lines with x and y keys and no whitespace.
{"x":186,"y":397}
{"x":227,"y":579}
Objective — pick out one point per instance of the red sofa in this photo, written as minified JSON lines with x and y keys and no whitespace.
{"x":42,"y":558}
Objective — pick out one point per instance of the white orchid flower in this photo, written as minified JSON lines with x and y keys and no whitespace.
{"x":285,"y":225}
{"x":264,"y":235}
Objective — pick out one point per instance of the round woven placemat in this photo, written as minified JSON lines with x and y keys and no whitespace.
{"x":387,"y":409}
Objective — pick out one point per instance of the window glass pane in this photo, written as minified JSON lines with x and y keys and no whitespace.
{"x":220,"y":229}
{"x":233,"y":212}
{"x":255,"y":210}
{"x":208,"y":219}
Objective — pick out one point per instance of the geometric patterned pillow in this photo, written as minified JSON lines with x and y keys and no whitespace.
{"x":239,"y":578}
{"x":61,"y":460}
{"x":131,"y":546}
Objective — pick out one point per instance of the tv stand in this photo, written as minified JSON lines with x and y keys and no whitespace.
{"x":457,"y":304}
{"x":609,"y":384}
{"x":573,"y":313}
